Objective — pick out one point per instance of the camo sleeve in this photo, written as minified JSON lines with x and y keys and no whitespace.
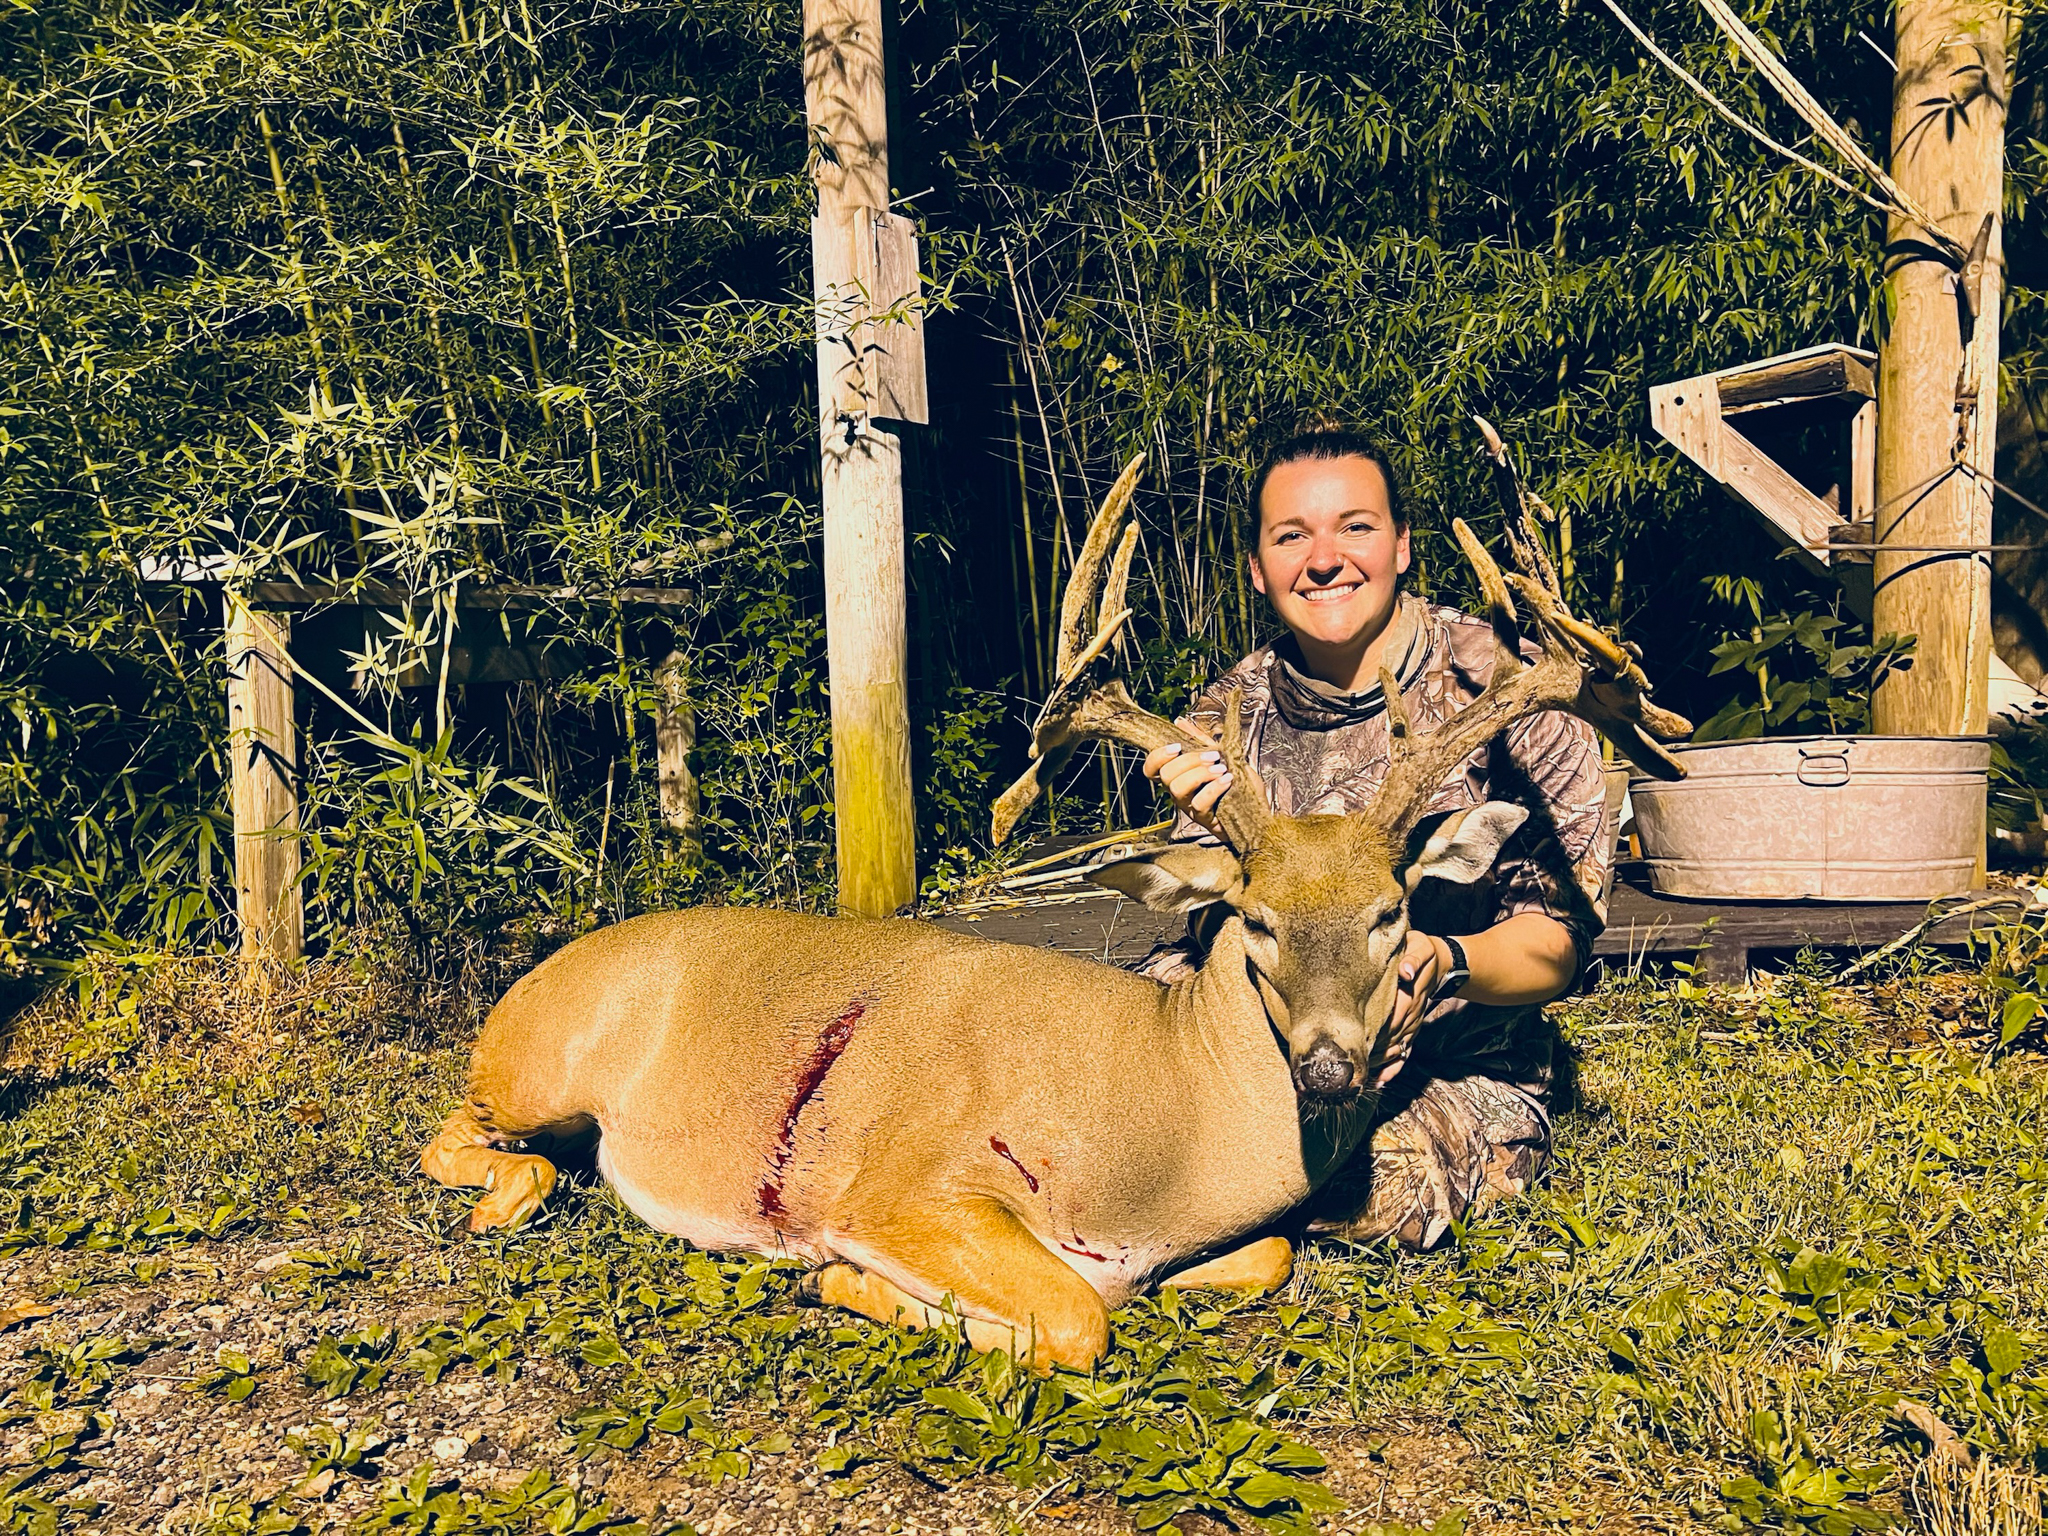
{"x":1562,"y":861}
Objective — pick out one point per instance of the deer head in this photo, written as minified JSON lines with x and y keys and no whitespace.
{"x":1323,"y":900}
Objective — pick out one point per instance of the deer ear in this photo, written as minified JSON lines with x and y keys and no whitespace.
{"x":1176,"y":879}
{"x":1462,"y":846}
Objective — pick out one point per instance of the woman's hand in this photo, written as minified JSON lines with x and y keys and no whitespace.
{"x":1424,"y":961}
{"x":1196,"y":779}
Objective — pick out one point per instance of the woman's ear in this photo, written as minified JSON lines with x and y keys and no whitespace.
{"x":1403,"y":551}
{"x":1258,"y":573}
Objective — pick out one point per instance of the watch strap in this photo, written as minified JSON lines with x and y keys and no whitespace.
{"x":1459,"y":973}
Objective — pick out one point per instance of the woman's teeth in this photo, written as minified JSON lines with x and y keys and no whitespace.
{"x":1330,"y":594}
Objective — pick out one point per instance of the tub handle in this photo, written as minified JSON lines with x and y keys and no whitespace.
{"x":1823,"y":770}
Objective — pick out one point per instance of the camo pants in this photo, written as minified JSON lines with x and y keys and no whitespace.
{"x":1465,"y":1124}
{"x":1450,"y":1147}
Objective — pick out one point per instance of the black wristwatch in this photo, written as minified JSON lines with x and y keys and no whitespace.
{"x":1459,"y":973}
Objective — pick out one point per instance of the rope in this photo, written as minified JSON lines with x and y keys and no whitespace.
{"x":1894,"y":199}
{"x":1831,"y":132}
{"x":1735,"y":117}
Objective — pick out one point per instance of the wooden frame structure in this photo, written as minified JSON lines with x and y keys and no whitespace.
{"x":263,"y":738}
{"x":1705,"y":417}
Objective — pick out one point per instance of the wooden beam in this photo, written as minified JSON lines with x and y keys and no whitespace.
{"x":497,"y":597}
{"x":864,"y":347}
{"x":263,"y":784}
{"x":1830,"y":372}
{"x":1938,"y":372}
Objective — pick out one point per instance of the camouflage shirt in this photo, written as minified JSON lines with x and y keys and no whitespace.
{"x":1323,"y":751}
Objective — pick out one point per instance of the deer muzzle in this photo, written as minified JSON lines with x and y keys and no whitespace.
{"x":1326,"y":1071}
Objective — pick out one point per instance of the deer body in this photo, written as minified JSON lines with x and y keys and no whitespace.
{"x":783,"y":1084}
{"x":955,"y":1129}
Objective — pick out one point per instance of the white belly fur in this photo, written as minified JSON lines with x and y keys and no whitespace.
{"x":715,"y":1233}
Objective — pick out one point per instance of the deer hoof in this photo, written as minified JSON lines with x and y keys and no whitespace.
{"x":810,"y":1285}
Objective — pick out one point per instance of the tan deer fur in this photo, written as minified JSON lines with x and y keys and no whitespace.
{"x":953,"y":1129}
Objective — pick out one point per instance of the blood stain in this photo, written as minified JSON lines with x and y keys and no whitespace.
{"x":1003,"y":1151}
{"x":832,"y":1041}
{"x":1086,"y":1253}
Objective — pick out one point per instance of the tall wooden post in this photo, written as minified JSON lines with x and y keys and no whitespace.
{"x":263,"y":788}
{"x":870,"y":371}
{"x":1938,"y":367}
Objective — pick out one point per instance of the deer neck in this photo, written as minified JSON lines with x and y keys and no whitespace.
{"x":1238,"y":1072}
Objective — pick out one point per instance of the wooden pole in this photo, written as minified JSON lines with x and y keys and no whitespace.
{"x":675,"y":733}
{"x":263,"y":788}
{"x":1937,"y":417}
{"x":870,"y":369}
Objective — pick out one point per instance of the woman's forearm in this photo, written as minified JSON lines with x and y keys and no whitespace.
{"x":1527,"y":958}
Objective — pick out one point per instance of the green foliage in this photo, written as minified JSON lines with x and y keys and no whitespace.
{"x":1789,"y":1489}
{"x":420,"y":1506}
{"x":26,"y":1512}
{"x":1804,"y":678}
{"x":69,"y":1376}
{"x":327,"y":1449}
{"x":1768,"y":1222}
{"x":232,"y":1377}
{"x":340,"y":1363}
{"x":398,"y":294}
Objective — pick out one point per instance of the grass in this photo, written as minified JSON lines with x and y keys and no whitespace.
{"x":1776,"y":1217}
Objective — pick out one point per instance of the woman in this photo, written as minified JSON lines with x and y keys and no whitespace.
{"x":1463,"y":1117}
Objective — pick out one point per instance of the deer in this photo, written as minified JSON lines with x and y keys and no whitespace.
{"x":953,"y":1132}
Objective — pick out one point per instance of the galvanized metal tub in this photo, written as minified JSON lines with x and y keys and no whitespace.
{"x":1817,"y":818}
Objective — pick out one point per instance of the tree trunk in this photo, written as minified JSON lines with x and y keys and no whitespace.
{"x":1938,"y":371}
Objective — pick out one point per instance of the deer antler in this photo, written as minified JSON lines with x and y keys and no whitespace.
{"x":1088,"y":701}
{"x":1581,"y":669}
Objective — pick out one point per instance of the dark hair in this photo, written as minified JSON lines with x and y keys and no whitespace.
{"x":1322,"y":442}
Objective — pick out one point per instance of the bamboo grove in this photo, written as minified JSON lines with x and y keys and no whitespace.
{"x":440,"y":293}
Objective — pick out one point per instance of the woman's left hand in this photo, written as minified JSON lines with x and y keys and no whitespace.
{"x":1424,"y":962}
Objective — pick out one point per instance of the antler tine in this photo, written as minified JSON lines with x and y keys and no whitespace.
{"x":1081,"y":585}
{"x":1112,"y":613}
{"x":1500,"y":603}
{"x":1244,"y":812}
{"x":1519,"y":523}
{"x":1086,"y":705}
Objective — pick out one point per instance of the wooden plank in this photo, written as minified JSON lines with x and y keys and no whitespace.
{"x":1815,"y":374}
{"x":896,"y":346}
{"x":1688,"y":413}
{"x":263,"y":788}
{"x":1801,"y":520}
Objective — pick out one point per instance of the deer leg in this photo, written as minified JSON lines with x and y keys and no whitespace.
{"x":1002,"y":1284}
{"x":466,"y":1156}
{"x":1258,"y":1267}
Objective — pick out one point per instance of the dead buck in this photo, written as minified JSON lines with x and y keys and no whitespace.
{"x":1018,"y":1139}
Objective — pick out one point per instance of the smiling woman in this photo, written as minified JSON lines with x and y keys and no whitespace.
{"x":1330,"y":543}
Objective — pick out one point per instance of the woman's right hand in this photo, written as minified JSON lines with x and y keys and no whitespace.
{"x":1195,"y":778}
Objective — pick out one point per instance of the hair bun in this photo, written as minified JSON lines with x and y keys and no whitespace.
{"x":1320,"y":420}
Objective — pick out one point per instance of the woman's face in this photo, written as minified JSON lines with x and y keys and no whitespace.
{"x":1329,"y":554}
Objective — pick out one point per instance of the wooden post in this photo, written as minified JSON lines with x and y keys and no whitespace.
{"x":1938,"y":371}
{"x":675,"y":733}
{"x":263,"y":788}
{"x":870,"y":369}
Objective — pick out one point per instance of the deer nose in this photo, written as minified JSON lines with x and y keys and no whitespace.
{"x":1325,"y":1072}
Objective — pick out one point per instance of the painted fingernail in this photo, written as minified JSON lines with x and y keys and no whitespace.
{"x":1214,"y":757}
